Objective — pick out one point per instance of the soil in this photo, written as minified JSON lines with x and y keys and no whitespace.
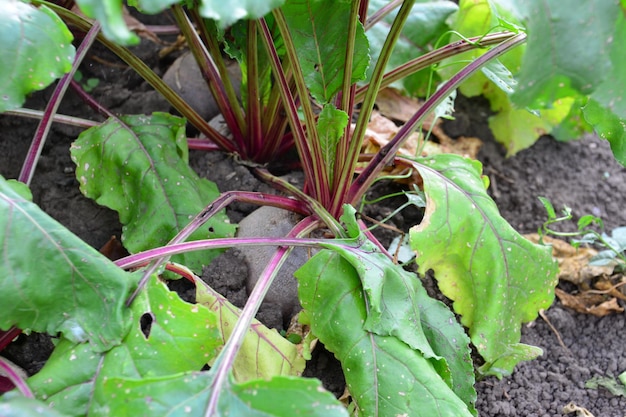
{"x":580,"y":174}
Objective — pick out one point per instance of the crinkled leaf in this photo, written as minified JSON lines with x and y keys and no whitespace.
{"x":110,"y":14}
{"x":54,"y":282}
{"x":319,"y":29}
{"x":331,"y":125}
{"x":385,"y":376}
{"x":225,"y":13}
{"x":137,"y":166}
{"x":20,"y":406}
{"x":424,"y":26}
{"x":496,"y":278}
{"x":187,"y":395}
{"x":568,"y":49}
{"x":608,"y":126}
{"x":399,"y":306}
{"x":167,"y":336}
{"x":36,"y":49}
{"x":264,"y":353}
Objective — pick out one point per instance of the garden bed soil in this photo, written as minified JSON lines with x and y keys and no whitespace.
{"x":580,"y":174}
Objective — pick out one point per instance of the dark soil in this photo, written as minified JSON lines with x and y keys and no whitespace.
{"x":581,"y":174}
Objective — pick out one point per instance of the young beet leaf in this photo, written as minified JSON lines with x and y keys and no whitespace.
{"x":137,"y":166}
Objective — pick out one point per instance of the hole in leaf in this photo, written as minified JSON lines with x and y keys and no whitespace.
{"x":211,"y":229}
{"x":146,"y":324}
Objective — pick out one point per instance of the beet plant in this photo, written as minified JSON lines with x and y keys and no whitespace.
{"x":129,"y":346}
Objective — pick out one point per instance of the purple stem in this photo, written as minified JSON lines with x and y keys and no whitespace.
{"x":225,"y":361}
{"x":221,"y":202}
{"x":91,"y":102}
{"x":16,"y":379}
{"x":36,"y":146}
{"x":6,"y":337}
{"x":386,"y":154}
{"x":141,"y":258}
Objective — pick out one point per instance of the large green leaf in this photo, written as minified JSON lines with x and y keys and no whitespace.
{"x":36,"y":49}
{"x":225,"y":13}
{"x":51,"y":281}
{"x":319,"y":29}
{"x":137,"y":165}
{"x":568,"y":49}
{"x":264,"y":352}
{"x":497,"y":278}
{"x":186,"y":395}
{"x":385,"y":376}
{"x":425,"y":25}
{"x":167,"y":336}
{"x":399,"y":306}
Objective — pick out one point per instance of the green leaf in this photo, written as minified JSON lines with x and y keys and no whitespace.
{"x":167,"y":336}
{"x":225,"y":13}
{"x":137,"y":166}
{"x":426,"y":24}
{"x":20,"y":406}
{"x":331,"y":125}
{"x":110,"y":14}
{"x":609,"y":127}
{"x":611,"y":93}
{"x":152,"y":6}
{"x":568,"y":49}
{"x":518,"y":129}
{"x":187,"y":395}
{"x":36,"y":47}
{"x":264,"y":353}
{"x":68,"y":378}
{"x":21,"y":189}
{"x":69,"y":288}
{"x":319,"y":29}
{"x":385,"y":376}
{"x":496,"y":278}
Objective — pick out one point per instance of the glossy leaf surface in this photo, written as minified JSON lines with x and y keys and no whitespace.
{"x":319,"y":29}
{"x":36,"y":49}
{"x":497,"y":279}
{"x":137,"y":166}
{"x":167,"y":336}
{"x":54,"y":282}
{"x":385,"y":376}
